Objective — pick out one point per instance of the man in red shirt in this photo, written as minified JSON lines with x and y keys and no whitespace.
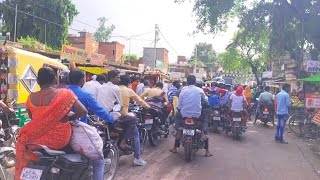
{"x":135,"y":84}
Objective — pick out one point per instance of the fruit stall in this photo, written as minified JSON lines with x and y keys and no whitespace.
{"x":312,"y":96}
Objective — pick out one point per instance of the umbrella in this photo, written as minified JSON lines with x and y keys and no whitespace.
{"x":312,"y":79}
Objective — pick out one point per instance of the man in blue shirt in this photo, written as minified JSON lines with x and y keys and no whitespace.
{"x":76,"y":81}
{"x":283,"y":103}
{"x":190,"y":106}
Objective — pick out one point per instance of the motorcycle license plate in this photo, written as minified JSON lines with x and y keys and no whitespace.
{"x":148,"y":121}
{"x":237,"y":119}
{"x":265,"y":112}
{"x":31,"y":174}
{"x":189,"y":132}
{"x":216,"y":118}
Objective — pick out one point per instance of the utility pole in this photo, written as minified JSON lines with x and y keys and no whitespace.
{"x":15,"y":24}
{"x":156,"y":39}
{"x":45,"y":34}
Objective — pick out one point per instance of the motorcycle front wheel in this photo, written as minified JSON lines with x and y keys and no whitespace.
{"x":111,"y":170}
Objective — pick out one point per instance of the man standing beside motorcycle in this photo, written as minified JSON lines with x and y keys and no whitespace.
{"x":190,"y":105}
{"x":132,"y":132}
{"x":283,"y":103}
{"x":265,"y":98}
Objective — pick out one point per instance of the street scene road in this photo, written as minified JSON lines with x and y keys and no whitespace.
{"x":255,"y":157}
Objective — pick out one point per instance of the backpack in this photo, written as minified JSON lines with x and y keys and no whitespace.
{"x":214,"y":99}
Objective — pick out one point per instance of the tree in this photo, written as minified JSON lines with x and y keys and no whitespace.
{"x":293,"y":24}
{"x":58,"y":13}
{"x":103,"y":32}
{"x":205,"y":53}
{"x":131,"y":57}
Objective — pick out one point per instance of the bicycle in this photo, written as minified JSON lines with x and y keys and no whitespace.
{"x":301,"y":124}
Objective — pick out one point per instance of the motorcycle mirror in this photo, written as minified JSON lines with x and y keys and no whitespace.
{"x":117,"y":108}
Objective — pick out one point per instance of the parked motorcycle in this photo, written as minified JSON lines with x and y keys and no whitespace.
{"x":191,"y":138}
{"x":48,"y":164}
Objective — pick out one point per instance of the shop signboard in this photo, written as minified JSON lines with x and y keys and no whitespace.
{"x":267,"y":74}
{"x":97,"y":59}
{"x":313,"y":101}
{"x":74,"y":54}
{"x":313,"y":66}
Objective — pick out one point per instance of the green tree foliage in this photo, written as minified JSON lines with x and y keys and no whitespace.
{"x":196,"y":63}
{"x":205,"y":53}
{"x":103,"y":32}
{"x":60,"y":12}
{"x":131,"y":57}
{"x":293,"y":24}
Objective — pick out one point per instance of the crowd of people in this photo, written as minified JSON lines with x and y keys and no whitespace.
{"x":50,"y":107}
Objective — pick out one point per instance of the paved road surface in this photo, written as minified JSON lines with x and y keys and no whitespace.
{"x":255,"y":157}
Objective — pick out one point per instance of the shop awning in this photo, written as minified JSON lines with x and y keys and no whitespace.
{"x":312,"y":79}
{"x":93,"y":70}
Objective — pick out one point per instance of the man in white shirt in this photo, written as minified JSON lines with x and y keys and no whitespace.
{"x":108,"y":93}
{"x":93,"y":85}
{"x":145,"y":87}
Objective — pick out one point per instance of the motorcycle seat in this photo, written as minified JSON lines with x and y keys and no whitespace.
{"x":48,"y":150}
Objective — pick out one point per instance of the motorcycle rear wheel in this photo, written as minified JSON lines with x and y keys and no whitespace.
{"x":214,"y":127}
{"x":153,"y":136}
{"x":109,"y":173}
{"x":188,"y":152}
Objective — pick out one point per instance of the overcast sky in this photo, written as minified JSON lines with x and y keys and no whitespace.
{"x":134,"y":17}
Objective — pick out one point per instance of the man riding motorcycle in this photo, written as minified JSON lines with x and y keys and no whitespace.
{"x":190,"y":105}
{"x":76,"y":81}
{"x":238,"y":103}
{"x":265,"y":98}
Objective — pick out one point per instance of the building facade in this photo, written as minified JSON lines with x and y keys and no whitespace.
{"x":84,"y":41}
{"x":156,"y":58}
{"x":112,"y":50}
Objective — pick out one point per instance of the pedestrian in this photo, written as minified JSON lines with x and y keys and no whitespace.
{"x":283,"y":104}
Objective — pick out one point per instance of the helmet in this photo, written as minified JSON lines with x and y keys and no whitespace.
{"x":199,"y":83}
{"x":64,"y":77}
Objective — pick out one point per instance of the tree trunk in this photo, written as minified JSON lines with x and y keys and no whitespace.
{"x":255,"y":72}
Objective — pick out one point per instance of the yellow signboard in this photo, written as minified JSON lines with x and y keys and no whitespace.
{"x":75,"y":54}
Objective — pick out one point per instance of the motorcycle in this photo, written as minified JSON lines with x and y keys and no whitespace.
{"x":118,"y":131}
{"x":236,"y":125}
{"x":48,"y":164}
{"x":215,"y":120}
{"x":266,"y":115}
{"x":7,"y":156}
{"x":156,"y":127}
{"x":191,"y":138}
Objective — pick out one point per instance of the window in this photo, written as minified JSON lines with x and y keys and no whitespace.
{"x":29,"y":78}
{"x":113,"y":52}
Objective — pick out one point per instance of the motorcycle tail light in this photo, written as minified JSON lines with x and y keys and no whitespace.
{"x":31,"y":156}
{"x":216,"y":113}
{"x":148,"y":117}
{"x":189,"y":121}
{"x":266,"y":110}
{"x":55,"y":170}
{"x":169,"y":108}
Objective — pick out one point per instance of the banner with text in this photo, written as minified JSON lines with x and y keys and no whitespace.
{"x":75,"y":54}
{"x":313,"y":101}
{"x":313,"y":66}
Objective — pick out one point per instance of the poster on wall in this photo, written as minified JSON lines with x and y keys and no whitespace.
{"x":12,"y":95}
{"x":12,"y":79}
{"x":313,"y":66}
{"x":313,"y":101}
{"x":12,"y":62}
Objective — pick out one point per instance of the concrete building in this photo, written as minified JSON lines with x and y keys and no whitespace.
{"x":84,"y":41}
{"x":150,"y":55}
{"x":112,"y":50}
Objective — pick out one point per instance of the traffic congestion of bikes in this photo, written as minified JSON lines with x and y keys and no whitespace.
{"x":90,"y":125}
